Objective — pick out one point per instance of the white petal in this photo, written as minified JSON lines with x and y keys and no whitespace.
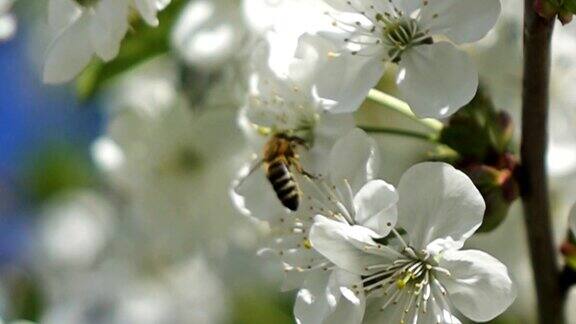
{"x":148,"y":11}
{"x":311,"y":306}
{"x":350,"y":304}
{"x":463,"y":21}
{"x":253,"y":195}
{"x":109,"y":25}
{"x":355,"y":158}
{"x":439,"y":206}
{"x":69,"y":53}
{"x":375,"y":206}
{"x":479,"y":285}
{"x":343,"y":78}
{"x":62,"y":13}
{"x":436,"y":80}
{"x":322,"y":300}
{"x":343,"y":244}
{"x":329,"y":129}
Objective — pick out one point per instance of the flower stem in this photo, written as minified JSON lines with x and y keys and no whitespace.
{"x":401,"y":132}
{"x":533,"y":178}
{"x":401,"y":107}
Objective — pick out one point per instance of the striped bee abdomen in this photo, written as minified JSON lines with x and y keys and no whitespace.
{"x":282,"y":180}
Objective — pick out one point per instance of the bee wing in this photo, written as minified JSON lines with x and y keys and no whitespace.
{"x":258,"y":163}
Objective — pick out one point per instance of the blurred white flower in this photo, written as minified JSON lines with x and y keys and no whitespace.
{"x":434,"y":76}
{"x":118,"y":293}
{"x":284,"y":106}
{"x":7,"y":20}
{"x":439,"y":208}
{"x":89,"y":28}
{"x":198,"y":293}
{"x":208,"y":33}
{"x":172,"y":167}
{"x":74,"y":230}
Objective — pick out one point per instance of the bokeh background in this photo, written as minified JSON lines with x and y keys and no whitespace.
{"x":114,"y":190}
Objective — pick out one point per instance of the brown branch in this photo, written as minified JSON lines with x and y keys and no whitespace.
{"x":535,"y":97}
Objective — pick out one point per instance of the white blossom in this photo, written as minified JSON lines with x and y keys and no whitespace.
{"x":88,"y":28}
{"x":157,"y":150}
{"x":208,"y":33}
{"x":427,"y":275}
{"x":75,"y":229}
{"x":283,"y":105}
{"x":433,"y":76}
{"x":352,"y":162}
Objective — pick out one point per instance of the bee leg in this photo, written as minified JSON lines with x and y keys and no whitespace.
{"x":298,"y":166}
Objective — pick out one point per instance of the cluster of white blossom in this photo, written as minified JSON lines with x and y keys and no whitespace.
{"x":356,"y":248}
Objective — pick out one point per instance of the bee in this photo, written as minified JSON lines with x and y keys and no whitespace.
{"x":279,"y":158}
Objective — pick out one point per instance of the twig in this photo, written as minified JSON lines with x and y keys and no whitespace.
{"x":535,"y":97}
{"x":400,"y":132}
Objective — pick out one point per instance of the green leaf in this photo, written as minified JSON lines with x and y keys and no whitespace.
{"x":142,"y":43}
{"x":570,"y":5}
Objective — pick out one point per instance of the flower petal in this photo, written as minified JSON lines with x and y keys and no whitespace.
{"x":342,"y":78}
{"x":148,"y":9}
{"x":324,"y":299}
{"x":109,"y":25}
{"x":375,"y":206}
{"x":62,"y":13}
{"x":343,"y":244}
{"x":436,"y":80}
{"x":479,"y":285}
{"x":252,"y":194}
{"x":69,"y":53}
{"x":329,"y":129}
{"x":463,"y":21}
{"x":355,"y":158}
{"x":439,"y":206}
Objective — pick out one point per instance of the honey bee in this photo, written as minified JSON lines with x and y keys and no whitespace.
{"x":279,"y":158}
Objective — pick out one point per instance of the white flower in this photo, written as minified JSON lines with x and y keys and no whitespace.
{"x":209,"y":33}
{"x":427,"y":275}
{"x":7,"y":20}
{"x":172,"y":166}
{"x":90,"y":27}
{"x":284,"y":105}
{"x":352,"y":163}
{"x":434,"y":77}
{"x":74,"y":231}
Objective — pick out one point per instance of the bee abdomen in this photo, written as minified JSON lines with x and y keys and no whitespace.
{"x":284,"y":185}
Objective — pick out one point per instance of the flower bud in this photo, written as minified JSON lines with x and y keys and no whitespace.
{"x":481,"y":136}
{"x":546,"y":8}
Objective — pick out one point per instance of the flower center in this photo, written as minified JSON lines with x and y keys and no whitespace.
{"x":400,"y":35}
{"x":334,"y":201}
{"x":408,"y":282}
{"x":392,"y":30}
